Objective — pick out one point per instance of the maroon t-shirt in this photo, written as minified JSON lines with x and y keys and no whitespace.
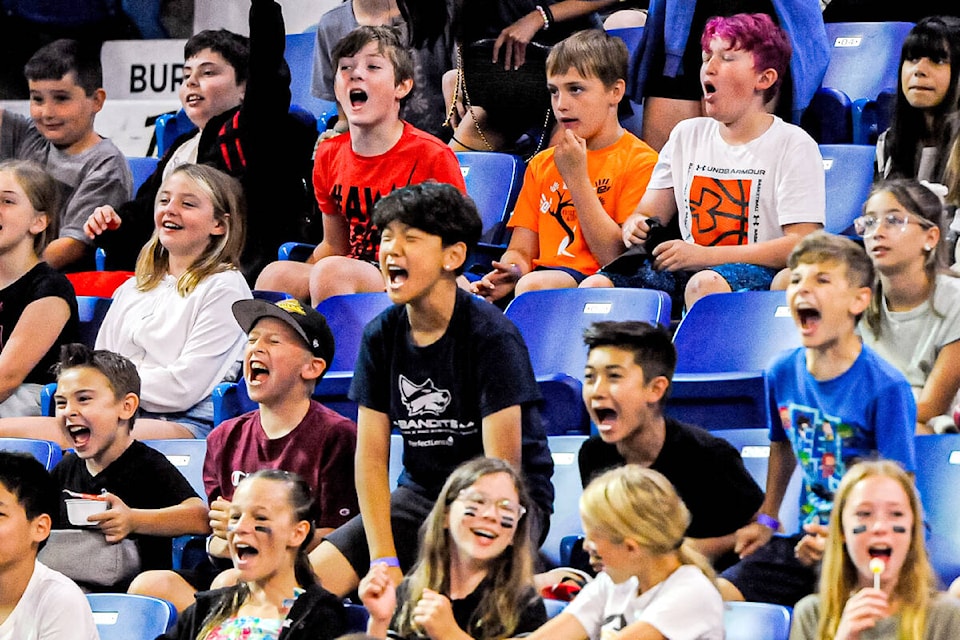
{"x":320,"y":450}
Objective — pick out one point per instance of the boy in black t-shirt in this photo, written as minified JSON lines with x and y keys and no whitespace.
{"x":444,"y":369}
{"x":625,"y":386}
{"x":150,"y":501}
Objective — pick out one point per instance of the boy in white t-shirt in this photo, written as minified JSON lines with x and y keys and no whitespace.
{"x":744,"y":185}
{"x":35,"y":602}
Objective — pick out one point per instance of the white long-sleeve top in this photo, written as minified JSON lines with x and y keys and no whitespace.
{"x":182,"y":346}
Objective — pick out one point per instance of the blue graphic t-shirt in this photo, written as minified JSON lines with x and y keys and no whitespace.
{"x":867,"y":412}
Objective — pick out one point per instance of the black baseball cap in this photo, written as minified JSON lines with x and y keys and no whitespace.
{"x":306,"y":321}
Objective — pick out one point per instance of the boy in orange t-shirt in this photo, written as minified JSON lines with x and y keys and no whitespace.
{"x":575,"y":196}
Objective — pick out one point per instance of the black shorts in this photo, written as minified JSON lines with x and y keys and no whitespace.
{"x":773,"y":573}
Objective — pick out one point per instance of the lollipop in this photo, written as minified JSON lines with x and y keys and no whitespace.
{"x":876,"y":567}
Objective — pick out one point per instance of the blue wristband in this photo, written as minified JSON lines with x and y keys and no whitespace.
{"x":767,"y":521}
{"x":390,"y":561}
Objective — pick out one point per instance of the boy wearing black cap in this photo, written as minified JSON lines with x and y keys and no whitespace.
{"x":288,"y":348}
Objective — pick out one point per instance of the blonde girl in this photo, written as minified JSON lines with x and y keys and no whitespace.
{"x":277,"y":595}
{"x":174,"y":319}
{"x":38,"y":309}
{"x":913,"y":320}
{"x":473,"y":577}
{"x":876,"y":514}
{"x":654,"y":585}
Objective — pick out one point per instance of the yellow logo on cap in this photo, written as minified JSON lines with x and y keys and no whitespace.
{"x":292,"y":305}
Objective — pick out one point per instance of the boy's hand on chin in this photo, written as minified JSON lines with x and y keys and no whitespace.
{"x":570,"y":156}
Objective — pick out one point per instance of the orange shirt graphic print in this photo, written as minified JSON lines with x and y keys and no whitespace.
{"x":720,"y":211}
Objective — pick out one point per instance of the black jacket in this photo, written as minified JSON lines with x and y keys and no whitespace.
{"x":316,"y":615}
{"x":260,"y":143}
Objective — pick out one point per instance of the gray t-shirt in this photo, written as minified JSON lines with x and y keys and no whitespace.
{"x":943,"y":620}
{"x":912,"y":340}
{"x":424,"y":107}
{"x":90,"y":179}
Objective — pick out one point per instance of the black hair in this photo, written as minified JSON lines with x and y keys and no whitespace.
{"x":651,"y":346}
{"x":436,"y":208}
{"x":118,"y":370}
{"x":234,"y":48}
{"x":60,"y":57}
{"x":937,"y":38}
{"x":36,"y":490}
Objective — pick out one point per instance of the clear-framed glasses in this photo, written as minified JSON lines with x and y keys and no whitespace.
{"x":866,"y":226}
{"x":479,"y":503}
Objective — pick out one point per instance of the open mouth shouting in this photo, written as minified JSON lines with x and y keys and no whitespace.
{"x":258,"y":373}
{"x":605,"y":417}
{"x":358,"y":98}
{"x":396,"y":276}
{"x":80,"y":435}
{"x":808,"y":317}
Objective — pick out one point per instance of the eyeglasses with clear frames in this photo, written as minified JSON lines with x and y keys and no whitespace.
{"x":866,"y":226}
{"x":479,"y":501}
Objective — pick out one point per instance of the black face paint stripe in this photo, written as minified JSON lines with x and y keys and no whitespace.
{"x":858,"y":530}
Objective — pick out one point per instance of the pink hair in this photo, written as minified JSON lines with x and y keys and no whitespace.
{"x":756,"y":33}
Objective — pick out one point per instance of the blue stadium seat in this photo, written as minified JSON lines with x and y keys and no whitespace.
{"x":829,"y":117}
{"x":46,"y":399}
{"x":724,"y":344}
{"x":754,"y":620}
{"x":938,"y":475}
{"x":567,"y":487}
{"x":357,"y":617}
{"x":92,"y":310}
{"x":187,"y":455}
{"x":871,"y":117}
{"x":554,"y":607}
{"x":754,"y":447}
{"x":230,"y":400}
{"x":299,"y":56}
{"x":47,"y":452}
{"x":297,"y":251}
{"x":124,"y":616}
{"x":864,"y":57}
{"x":493,"y":182}
{"x":552,"y":324}
{"x":169,"y":127}
{"x":347,"y":316}
{"x":848,"y":171}
{"x":632,"y":37}
{"x":142,"y":168}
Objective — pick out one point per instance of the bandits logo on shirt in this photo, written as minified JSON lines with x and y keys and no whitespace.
{"x":423,"y":398}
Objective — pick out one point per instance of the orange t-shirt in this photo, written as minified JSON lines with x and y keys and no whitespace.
{"x":619,"y":173}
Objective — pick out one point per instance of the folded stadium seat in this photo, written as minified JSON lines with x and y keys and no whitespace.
{"x":753,"y":620}
{"x":299,"y":56}
{"x":142,"y":168}
{"x":47,"y":452}
{"x":872,"y":117}
{"x":493,"y":181}
{"x":565,"y":521}
{"x":724,"y":344}
{"x":187,"y":455}
{"x":125,"y":616}
{"x":552,"y":324}
{"x":938,"y":475}
{"x":848,"y":171}
{"x":631,"y":120}
{"x":864,"y":60}
{"x":92,"y":311}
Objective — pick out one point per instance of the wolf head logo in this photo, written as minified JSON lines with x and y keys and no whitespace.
{"x":423,"y":398}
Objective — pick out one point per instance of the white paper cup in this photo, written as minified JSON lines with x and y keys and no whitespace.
{"x":78,"y":509}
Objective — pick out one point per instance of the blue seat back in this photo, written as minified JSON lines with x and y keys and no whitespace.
{"x":187,"y":455}
{"x":567,"y":488}
{"x":864,"y":57}
{"x":872,"y":117}
{"x":92,"y":310}
{"x":299,"y":56}
{"x":169,"y":127}
{"x":124,"y":616}
{"x":753,"y":620}
{"x":142,"y":168}
{"x":848,"y":171}
{"x":938,"y":476}
{"x":347,"y":316}
{"x":724,"y":345}
{"x":47,"y":452}
{"x":552,"y":323}
{"x":357,"y":617}
{"x":493,"y":182}
{"x":230,"y":399}
{"x":829,"y":117}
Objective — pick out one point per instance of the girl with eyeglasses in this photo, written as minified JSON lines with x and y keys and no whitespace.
{"x":473,"y":577}
{"x":913,"y":320}
{"x":654,"y":585}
